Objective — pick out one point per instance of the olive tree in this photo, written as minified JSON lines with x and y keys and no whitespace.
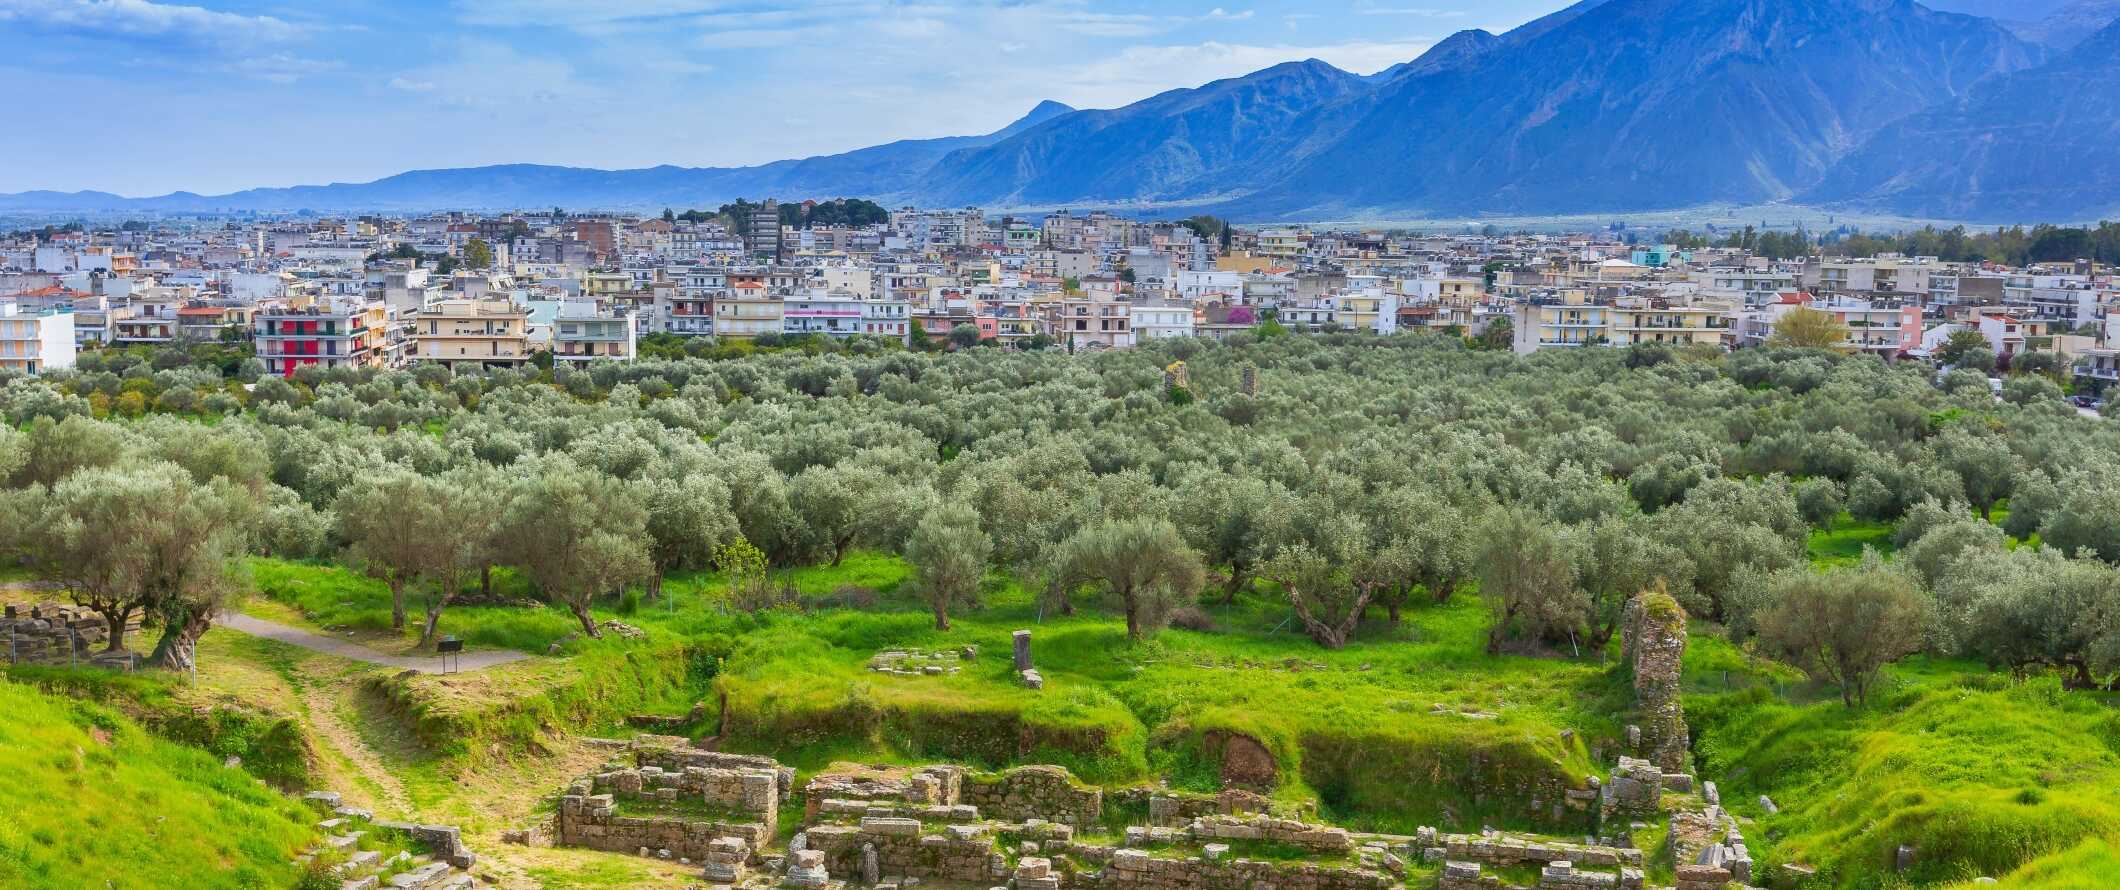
{"x":145,"y":540}
{"x":576,"y":533}
{"x":949,"y":555}
{"x":1845,"y":625}
{"x":1143,"y":562}
{"x":1527,"y":572}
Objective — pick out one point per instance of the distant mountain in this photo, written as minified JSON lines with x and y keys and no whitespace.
{"x":2035,"y":145}
{"x":1179,"y":145}
{"x":2070,"y":25}
{"x":2000,"y":10}
{"x":1640,"y":104}
{"x":1603,"y":106}
{"x":879,"y":171}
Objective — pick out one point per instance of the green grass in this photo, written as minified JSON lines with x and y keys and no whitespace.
{"x":92,"y":800}
{"x":1979,"y":774}
{"x":1843,"y":545}
{"x":270,"y":746}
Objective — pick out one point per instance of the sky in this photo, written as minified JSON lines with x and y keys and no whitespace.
{"x":143,"y":97}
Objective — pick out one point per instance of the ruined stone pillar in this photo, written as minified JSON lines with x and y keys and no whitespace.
{"x":1655,"y":643}
{"x":1023,"y":650}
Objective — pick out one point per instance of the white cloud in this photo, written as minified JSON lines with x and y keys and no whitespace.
{"x":482,"y":74}
{"x":141,"y":18}
{"x":284,"y":68}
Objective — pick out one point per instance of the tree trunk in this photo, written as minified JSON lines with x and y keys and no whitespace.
{"x":179,"y":648}
{"x":581,"y":614}
{"x":434,"y":618}
{"x":942,"y":615}
{"x":485,"y":582}
{"x":1442,"y":591}
{"x":839,"y":550}
{"x":115,"y":620}
{"x":1238,"y":580}
{"x":1391,"y":608}
{"x":397,"y":605}
{"x":654,"y":586}
{"x":1133,"y":616}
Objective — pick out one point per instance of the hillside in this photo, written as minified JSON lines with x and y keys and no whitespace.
{"x":2037,"y":142}
{"x":94,"y":801}
{"x":1605,"y":105}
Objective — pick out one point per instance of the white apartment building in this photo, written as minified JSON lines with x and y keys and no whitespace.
{"x":583,"y":331}
{"x":35,"y":342}
{"x":1161,"y":321}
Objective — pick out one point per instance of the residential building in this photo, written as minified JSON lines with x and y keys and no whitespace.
{"x":34,"y":342}
{"x":472,"y":331}
{"x":340,"y":333}
{"x":584,"y":331}
{"x":1160,"y":321}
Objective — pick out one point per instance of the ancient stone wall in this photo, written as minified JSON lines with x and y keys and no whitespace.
{"x":845,"y":810}
{"x":753,"y":792}
{"x":1314,"y":838}
{"x":673,"y":754}
{"x":1034,"y":792}
{"x":957,"y":853}
{"x":1654,"y":640}
{"x":592,"y":821}
{"x":1558,"y":875}
{"x":1125,"y":869}
{"x":1507,"y":849}
{"x":1177,"y":809}
{"x":59,"y":635}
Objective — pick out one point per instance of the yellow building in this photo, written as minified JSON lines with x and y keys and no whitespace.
{"x":484,"y":332}
{"x":1560,"y":321}
{"x":748,"y":310}
{"x":1702,"y":324}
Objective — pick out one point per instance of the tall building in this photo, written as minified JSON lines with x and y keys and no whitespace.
{"x":764,"y":239}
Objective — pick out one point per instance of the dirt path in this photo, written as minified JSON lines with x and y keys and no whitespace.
{"x":327,"y":703}
{"x":316,"y":642}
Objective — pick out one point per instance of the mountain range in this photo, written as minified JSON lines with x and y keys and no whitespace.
{"x":1605,"y":106}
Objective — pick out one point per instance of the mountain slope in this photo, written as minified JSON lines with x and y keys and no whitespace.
{"x":880,"y":171}
{"x":1636,"y":104}
{"x":2070,"y":25}
{"x":1176,"y":145}
{"x":2036,"y":144}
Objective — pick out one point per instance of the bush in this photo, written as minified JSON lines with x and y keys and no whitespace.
{"x":1192,"y":618}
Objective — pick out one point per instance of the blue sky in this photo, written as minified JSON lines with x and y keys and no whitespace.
{"x":143,"y":97}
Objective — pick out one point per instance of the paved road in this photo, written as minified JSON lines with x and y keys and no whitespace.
{"x":316,"y":642}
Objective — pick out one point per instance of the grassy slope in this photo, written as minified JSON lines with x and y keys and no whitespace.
{"x":93,"y":801}
{"x":1979,"y":774}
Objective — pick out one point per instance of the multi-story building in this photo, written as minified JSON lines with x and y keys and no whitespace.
{"x":1566,"y":319}
{"x":1369,"y":310}
{"x":1093,"y":322}
{"x":831,"y":314}
{"x":471,"y":332}
{"x":332,"y":334}
{"x":2067,"y":299}
{"x":584,"y":331}
{"x":1883,"y":327}
{"x":1160,"y":321}
{"x":747,"y":311}
{"x":1637,"y":320}
{"x":35,"y":341}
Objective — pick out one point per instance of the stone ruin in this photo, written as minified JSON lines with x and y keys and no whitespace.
{"x":60,"y":635}
{"x":444,"y":863}
{"x":1026,"y":673}
{"x":1707,"y":847}
{"x":673,"y":801}
{"x":1038,"y":828}
{"x":918,"y":663}
{"x":1653,"y":638}
{"x":1562,"y":865}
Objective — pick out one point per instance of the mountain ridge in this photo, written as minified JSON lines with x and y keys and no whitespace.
{"x":1602,"y":106}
